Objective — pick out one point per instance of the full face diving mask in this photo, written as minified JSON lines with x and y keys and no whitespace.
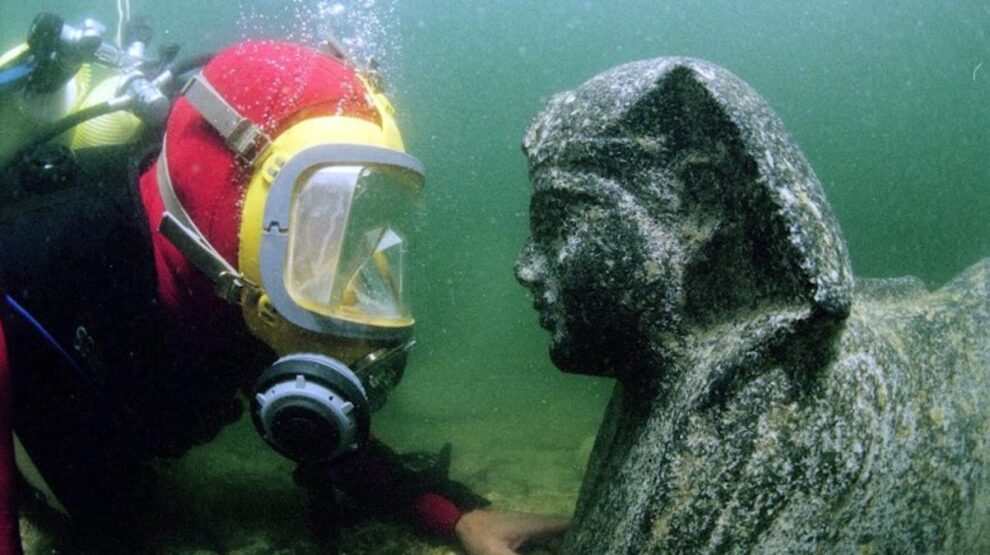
{"x":331,"y":260}
{"x":334,"y":240}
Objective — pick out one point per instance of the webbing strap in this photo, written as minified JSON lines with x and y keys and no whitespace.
{"x":246,"y":139}
{"x":181,"y":231}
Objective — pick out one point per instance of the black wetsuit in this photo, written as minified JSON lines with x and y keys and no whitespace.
{"x":103,"y":381}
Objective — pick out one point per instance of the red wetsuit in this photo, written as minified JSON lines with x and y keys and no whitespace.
{"x":10,"y":540}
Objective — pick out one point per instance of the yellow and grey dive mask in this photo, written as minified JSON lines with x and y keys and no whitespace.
{"x":334,"y":231}
{"x":334,"y":240}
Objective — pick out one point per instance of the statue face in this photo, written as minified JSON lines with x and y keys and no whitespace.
{"x":668,"y":199}
{"x":599,"y":268}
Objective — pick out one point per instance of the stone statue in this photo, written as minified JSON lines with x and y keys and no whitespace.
{"x":682,"y":244}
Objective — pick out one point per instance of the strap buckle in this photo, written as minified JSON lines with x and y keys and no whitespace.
{"x":229,"y":284}
{"x":246,"y":139}
{"x":249,"y":142}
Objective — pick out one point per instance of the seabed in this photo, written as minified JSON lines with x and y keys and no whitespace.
{"x":235,"y":496}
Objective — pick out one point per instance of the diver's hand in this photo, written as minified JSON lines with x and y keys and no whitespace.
{"x":498,"y":533}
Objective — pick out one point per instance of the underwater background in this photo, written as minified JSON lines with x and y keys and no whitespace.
{"x":888,"y":100}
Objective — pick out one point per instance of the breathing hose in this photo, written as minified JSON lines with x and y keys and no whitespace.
{"x":68,"y":122}
{"x":188,"y":64}
{"x":178,"y":71}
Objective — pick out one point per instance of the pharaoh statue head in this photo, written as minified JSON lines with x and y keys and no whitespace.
{"x":669,"y":201}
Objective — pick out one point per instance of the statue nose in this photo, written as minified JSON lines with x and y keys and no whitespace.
{"x":529,"y":265}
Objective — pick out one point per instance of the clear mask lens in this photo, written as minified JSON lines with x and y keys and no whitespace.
{"x":348,"y":242}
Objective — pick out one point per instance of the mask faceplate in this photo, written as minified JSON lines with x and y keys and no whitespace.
{"x":334,"y":237}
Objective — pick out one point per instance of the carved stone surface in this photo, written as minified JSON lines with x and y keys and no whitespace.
{"x":682,"y":244}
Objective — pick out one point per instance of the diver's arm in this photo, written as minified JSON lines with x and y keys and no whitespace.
{"x":380,"y":482}
{"x":376,"y":481}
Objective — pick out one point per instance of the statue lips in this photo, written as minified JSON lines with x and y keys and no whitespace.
{"x":534,"y":282}
{"x":542,"y":307}
{"x":546,"y":322}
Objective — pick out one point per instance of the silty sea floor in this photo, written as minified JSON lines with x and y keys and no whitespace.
{"x":236,"y":496}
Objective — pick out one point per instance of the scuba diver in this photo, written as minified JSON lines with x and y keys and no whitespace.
{"x":176,"y":232}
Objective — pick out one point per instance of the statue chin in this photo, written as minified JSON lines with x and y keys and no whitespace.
{"x":563,"y":358}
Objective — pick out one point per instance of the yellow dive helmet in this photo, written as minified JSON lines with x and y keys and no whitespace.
{"x":325,"y":225}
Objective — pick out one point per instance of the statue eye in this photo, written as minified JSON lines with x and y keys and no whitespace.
{"x":548,"y":220}
{"x":556,"y":214}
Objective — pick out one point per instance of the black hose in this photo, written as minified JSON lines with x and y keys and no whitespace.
{"x":68,"y":122}
{"x":181,"y":68}
{"x":190,"y":63}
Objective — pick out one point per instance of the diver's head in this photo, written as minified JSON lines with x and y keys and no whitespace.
{"x":284,"y":179}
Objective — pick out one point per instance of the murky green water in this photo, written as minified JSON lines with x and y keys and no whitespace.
{"x":888,"y":99}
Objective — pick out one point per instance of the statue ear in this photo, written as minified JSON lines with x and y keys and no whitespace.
{"x":718,"y":138}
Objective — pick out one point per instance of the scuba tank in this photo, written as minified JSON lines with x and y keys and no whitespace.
{"x":67,"y":78}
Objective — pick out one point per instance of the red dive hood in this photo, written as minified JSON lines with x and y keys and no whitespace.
{"x":274,"y":85}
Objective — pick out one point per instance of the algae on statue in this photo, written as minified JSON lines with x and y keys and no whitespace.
{"x":682,"y":244}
